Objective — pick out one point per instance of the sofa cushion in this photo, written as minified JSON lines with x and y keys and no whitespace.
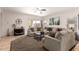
{"x":52,"y":34}
{"x":32,"y":29}
{"x":58,"y":35}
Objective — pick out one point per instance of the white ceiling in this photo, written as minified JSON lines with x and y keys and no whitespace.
{"x":32,"y":10}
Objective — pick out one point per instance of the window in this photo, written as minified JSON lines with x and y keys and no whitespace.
{"x":36,"y":23}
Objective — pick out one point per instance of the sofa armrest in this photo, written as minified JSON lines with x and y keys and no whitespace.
{"x":51,"y":38}
{"x":52,"y":44}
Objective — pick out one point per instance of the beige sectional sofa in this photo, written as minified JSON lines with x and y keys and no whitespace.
{"x":66,"y":42}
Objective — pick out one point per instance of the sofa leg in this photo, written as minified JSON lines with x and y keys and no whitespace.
{"x":45,"y":48}
{"x":72,"y":48}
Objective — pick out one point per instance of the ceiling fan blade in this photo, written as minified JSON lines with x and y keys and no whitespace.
{"x":43,"y":9}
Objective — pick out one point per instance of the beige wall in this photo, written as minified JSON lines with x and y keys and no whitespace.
{"x":8,"y":18}
{"x":0,"y":24}
{"x":64,"y":16}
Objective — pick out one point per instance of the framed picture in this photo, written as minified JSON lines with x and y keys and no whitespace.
{"x":54,"y":21}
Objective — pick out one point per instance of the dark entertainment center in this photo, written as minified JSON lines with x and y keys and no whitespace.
{"x":19,"y":31}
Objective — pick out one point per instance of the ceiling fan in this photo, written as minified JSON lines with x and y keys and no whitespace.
{"x":40,"y":10}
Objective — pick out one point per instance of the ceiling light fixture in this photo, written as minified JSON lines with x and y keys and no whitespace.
{"x":40,"y":10}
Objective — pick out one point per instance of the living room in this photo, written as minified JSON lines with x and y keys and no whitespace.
{"x":38,"y":20}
